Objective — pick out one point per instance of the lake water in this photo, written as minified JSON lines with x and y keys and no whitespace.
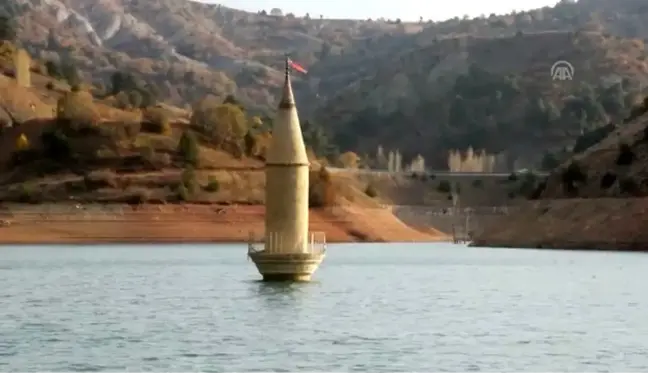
{"x":372,"y":308}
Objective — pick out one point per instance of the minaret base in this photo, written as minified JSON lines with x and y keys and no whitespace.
{"x":286,"y":267}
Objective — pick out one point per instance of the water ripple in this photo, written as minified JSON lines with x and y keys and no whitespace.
{"x":380,"y":308}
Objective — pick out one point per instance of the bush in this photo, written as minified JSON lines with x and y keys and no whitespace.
{"x":188,"y":149}
{"x":572,"y":176}
{"x":183,"y":193}
{"x":188,"y":179}
{"x":76,"y":110}
{"x":156,"y":120}
{"x":607,"y":180}
{"x":444,"y":186}
{"x":100,"y":179}
{"x":321,"y":191}
{"x":56,"y":145}
{"x":539,"y":189}
{"x":626,"y":155}
{"x":628,"y":185}
{"x":371,"y":191}
{"x":212,"y":184}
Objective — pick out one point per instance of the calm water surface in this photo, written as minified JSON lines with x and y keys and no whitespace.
{"x":372,"y":308}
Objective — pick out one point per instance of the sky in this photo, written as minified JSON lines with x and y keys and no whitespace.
{"x":407,"y":10}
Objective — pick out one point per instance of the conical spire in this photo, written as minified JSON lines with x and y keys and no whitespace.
{"x":287,"y":97}
{"x":287,"y":146}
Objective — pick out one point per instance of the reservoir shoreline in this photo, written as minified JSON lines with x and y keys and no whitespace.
{"x":592,"y":224}
{"x":187,"y":223}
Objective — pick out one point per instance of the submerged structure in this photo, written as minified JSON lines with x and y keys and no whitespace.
{"x":289,"y":252}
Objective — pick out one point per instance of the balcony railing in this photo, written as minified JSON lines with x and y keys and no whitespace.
{"x":315,"y":244}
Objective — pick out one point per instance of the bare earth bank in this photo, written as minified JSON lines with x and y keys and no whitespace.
{"x":588,"y":224}
{"x":91,"y":224}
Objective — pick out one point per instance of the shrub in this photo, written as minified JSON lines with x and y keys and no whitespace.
{"x":444,"y":186}
{"x":571,"y":177}
{"x":626,"y":155}
{"x":135,"y":99}
{"x":607,"y":180}
{"x":188,"y":148}
{"x":76,"y":110}
{"x":371,"y":191}
{"x":100,"y":179}
{"x":212,"y":184}
{"x":539,"y":189}
{"x":56,"y":145}
{"x":188,"y":179}
{"x":321,"y":191}
{"x":224,"y":123}
{"x":183,"y":193}
{"x":629,"y":186}
{"x":22,"y":143}
{"x":156,"y":120}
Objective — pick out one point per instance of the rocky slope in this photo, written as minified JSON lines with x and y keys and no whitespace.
{"x":597,"y":199}
{"x":186,"y":48}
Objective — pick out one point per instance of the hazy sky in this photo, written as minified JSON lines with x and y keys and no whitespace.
{"x":403,"y":9}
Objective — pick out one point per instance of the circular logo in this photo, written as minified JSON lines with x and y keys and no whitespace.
{"x":562,"y":70}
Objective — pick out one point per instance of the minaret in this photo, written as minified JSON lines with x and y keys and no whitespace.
{"x":288,"y":253}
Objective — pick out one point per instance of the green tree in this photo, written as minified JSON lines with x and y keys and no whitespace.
{"x":7,"y":28}
{"x":70,"y":73}
{"x":76,"y":109}
{"x":53,"y":69}
{"x":224,"y":123}
{"x":188,"y":148}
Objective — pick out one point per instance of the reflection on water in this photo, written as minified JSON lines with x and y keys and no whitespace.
{"x":370,"y":308}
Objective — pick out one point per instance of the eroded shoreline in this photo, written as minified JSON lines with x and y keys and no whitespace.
{"x":601,"y":224}
{"x":180,"y":224}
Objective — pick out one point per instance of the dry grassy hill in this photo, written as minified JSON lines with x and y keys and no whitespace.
{"x":60,"y":143}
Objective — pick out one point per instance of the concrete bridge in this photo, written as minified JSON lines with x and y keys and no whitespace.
{"x":437,"y":173}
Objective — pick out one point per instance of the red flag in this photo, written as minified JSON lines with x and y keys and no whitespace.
{"x":297,"y":67}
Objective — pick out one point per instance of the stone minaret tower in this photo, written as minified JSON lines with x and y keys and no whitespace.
{"x":287,"y":168}
{"x":288,"y":253}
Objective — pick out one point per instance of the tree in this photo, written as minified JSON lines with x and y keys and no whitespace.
{"x":22,"y":143}
{"x":349,"y":160}
{"x":224,"y":123}
{"x":70,"y":73}
{"x":7,"y":29}
{"x":76,"y":109}
{"x":53,"y":69}
{"x":122,"y":82}
{"x":188,"y":148}
{"x":157,"y":120}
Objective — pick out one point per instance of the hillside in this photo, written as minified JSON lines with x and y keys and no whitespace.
{"x":184,"y":49}
{"x":596,"y":199}
{"x":179,"y":51}
{"x":494,"y":94}
{"x":615,"y":166}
